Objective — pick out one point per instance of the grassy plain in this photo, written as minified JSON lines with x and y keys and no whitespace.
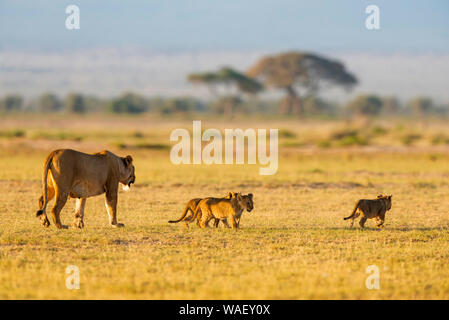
{"x":294,"y":245}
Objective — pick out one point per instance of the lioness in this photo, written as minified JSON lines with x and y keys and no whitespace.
{"x":190,"y":209}
{"x":223,"y":209}
{"x":70,"y":173}
{"x":370,"y":209}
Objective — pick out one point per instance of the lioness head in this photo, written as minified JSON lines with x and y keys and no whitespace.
{"x":127,"y":176}
{"x":246,"y":201}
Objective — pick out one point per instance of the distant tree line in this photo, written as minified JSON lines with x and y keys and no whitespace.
{"x":133,"y":103}
{"x":300,"y":75}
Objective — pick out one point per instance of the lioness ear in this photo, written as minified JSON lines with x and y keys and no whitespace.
{"x":128,"y":160}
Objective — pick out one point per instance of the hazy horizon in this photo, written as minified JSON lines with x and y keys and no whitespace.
{"x":150,"y":47}
{"x":110,"y":72}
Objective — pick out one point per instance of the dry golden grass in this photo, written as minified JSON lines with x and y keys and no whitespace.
{"x":294,"y":245}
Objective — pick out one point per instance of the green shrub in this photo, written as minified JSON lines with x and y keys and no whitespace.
{"x":55,"y":136}
{"x":14,"y":133}
{"x":292,"y":144}
{"x":356,"y":140}
{"x":138,"y":134}
{"x":285,"y":133}
{"x":157,"y":146}
{"x":324,"y":144}
{"x":440,"y":139}
{"x":379,"y":131}
{"x":410,"y":139}
{"x":349,"y":137}
{"x":341,"y":134}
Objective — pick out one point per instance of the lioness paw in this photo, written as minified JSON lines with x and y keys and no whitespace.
{"x":46,"y":222}
{"x":118,"y":225}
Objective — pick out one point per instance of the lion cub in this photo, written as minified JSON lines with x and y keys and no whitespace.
{"x":190,"y":208}
{"x":370,"y":209}
{"x":223,"y":209}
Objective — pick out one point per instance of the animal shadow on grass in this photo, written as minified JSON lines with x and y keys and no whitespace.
{"x":357,"y":228}
{"x":386,"y":228}
{"x":419,"y":228}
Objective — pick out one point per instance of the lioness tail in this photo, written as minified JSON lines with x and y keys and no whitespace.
{"x":44,"y":184}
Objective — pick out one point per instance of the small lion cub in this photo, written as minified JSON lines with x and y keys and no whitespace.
{"x":370,"y":209}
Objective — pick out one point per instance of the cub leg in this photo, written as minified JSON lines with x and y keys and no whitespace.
{"x":79,"y":213}
{"x":208,"y":220}
{"x":362,"y":222}
{"x":199,"y":218}
{"x":202,"y":220}
{"x":202,"y":223}
{"x":381,"y":219}
{"x":225,"y":222}
{"x":354,"y":216}
{"x":352,"y":222}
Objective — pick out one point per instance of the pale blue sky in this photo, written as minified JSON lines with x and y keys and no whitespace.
{"x":150,"y":46}
{"x":172,"y":26}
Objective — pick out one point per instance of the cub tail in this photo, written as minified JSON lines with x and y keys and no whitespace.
{"x":353,"y":211}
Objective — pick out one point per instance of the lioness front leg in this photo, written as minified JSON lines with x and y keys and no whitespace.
{"x":238,"y":222}
{"x":111,"y":207}
{"x":79,"y":213}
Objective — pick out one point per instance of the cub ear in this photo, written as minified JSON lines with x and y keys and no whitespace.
{"x":128,"y":160}
{"x":229,"y":195}
{"x":379,"y":196}
{"x":250,"y":195}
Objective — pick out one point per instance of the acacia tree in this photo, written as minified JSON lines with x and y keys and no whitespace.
{"x":295,"y":71}
{"x":227,"y":85}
